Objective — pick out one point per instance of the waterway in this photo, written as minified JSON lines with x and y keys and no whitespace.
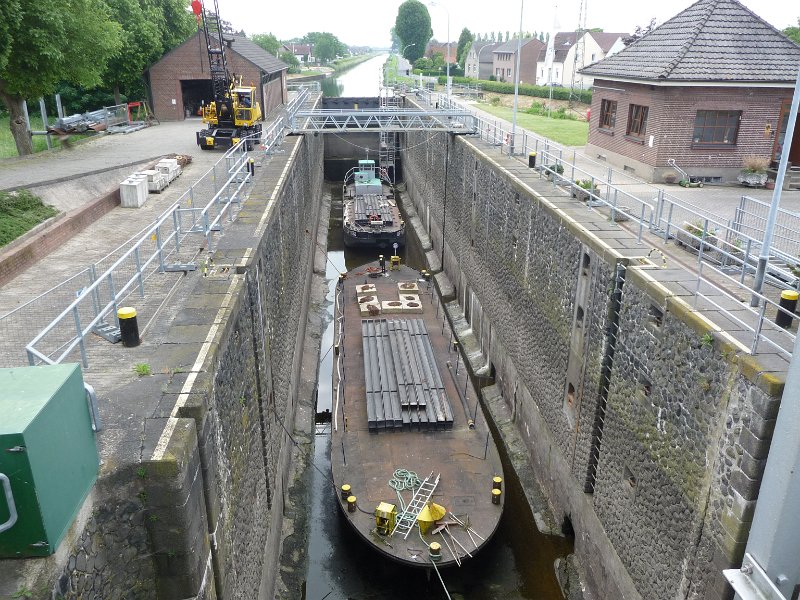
{"x":518,"y":562}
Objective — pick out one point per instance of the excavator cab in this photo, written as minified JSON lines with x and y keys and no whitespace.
{"x":245,"y":106}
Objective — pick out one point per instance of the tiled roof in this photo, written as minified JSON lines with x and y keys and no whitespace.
{"x":256,"y":54}
{"x":484,"y":50}
{"x":712,"y":40}
{"x":562,"y":43}
{"x":605,"y":40}
{"x":510,"y":46}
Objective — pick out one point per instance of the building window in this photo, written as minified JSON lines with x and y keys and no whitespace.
{"x":508,"y":71}
{"x":716,"y":127}
{"x":594,"y":57}
{"x":608,"y":114}
{"x":637,"y":121}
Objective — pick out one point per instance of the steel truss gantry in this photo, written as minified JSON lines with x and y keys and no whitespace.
{"x":377,"y":121}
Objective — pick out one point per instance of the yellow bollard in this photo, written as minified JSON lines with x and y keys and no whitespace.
{"x":351,"y":504}
{"x":497,"y":483}
{"x":395,"y":263}
{"x":346,"y":491}
{"x":435,"y":551}
{"x":496,"y":496}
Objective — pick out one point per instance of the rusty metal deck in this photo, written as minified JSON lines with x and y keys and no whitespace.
{"x":366,"y":460}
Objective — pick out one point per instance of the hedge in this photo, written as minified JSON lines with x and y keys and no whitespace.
{"x":525,"y":89}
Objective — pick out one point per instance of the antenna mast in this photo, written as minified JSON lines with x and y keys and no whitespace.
{"x":576,"y":87}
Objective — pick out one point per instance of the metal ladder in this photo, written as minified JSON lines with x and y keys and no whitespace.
{"x":407,"y":519}
{"x":388,"y":140}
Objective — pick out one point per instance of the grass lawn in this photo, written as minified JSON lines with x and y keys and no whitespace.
{"x":563,"y":131}
{"x":19,"y":213}
{"x":8,"y":148}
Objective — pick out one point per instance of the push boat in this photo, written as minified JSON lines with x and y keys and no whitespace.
{"x":371,"y":217}
{"x":417,"y":473}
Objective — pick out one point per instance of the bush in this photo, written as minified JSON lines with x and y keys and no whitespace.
{"x":755,"y":164}
{"x":20,"y":211}
{"x":526,"y":89}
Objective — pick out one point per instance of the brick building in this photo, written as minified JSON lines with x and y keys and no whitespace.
{"x":180,"y":81}
{"x":504,"y":63}
{"x":706,"y":88}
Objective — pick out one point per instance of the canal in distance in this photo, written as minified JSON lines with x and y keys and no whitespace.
{"x":516,"y":564}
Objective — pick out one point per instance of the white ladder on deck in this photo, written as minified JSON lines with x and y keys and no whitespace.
{"x":407,"y":519}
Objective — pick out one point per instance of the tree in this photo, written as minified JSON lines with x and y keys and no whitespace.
{"x":464,"y":42}
{"x":48,"y":42}
{"x":140,"y":45}
{"x":639,"y":32}
{"x":793,"y":33}
{"x":175,"y":23}
{"x":326,"y":45}
{"x":507,"y":35}
{"x":291,"y":60}
{"x":268,"y":42}
{"x":413,"y":26}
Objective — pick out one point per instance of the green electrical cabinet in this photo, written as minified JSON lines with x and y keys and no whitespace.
{"x":48,"y":456}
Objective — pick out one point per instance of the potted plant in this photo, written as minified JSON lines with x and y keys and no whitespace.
{"x":754,"y":171}
{"x":582,"y":190}
{"x":553,"y":171}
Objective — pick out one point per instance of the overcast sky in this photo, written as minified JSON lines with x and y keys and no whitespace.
{"x":368,"y":23}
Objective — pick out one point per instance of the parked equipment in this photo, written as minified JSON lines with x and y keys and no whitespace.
{"x":686,"y":180}
{"x":233,"y":112}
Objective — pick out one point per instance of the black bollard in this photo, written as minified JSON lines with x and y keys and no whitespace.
{"x":532,"y":160}
{"x":382,"y":262}
{"x":128,"y":327}
{"x":788,"y":302}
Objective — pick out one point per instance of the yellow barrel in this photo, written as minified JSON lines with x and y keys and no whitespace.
{"x":497,"y":483}
{"x":346,"y":491}
{"x":496,"y":496}
{"x":435,"y":551}
{"x":351,"y":504}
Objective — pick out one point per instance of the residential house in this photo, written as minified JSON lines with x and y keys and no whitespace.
{"x":478,"y":63}
{"x":562,"y":44}
{"x":437,"y":48}
{"x":591,"y":47}
{"x":504,"y":63}
{"x":302,"y":52}
{"x":707,"y":88}
{"x":180,"y":82}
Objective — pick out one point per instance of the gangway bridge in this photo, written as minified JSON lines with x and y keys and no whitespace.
{"x":382,"y":120}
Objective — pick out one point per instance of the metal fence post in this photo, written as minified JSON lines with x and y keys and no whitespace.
{"x":84,"y":358}
{"x":137,"y":259}
{"x":160,"y":250}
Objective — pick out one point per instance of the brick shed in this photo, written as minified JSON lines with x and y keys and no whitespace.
{"x":707,"y":88}
{"x":180,"y":81}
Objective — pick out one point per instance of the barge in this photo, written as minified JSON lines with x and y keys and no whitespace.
{"x":416,"y":470}
{"x":371,"y":217}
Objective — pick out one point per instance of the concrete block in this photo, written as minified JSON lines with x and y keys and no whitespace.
{"x":368,"y":304}
{"x":391,"y":306}
{"x":407,"y":287}
{"x":367,"y":288}
{"x":133,"y":192}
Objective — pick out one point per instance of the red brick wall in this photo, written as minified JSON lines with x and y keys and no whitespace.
{"x":672,"y":112}
{"x":21,"y":256}
{"x":190,"y":61}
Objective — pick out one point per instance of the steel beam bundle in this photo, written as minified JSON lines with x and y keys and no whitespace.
{"x":372,"y":204}
{"x":403,"y":386}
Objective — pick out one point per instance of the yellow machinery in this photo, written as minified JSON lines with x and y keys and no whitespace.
{"x":385,"y":516}
{"x":233,"y":112}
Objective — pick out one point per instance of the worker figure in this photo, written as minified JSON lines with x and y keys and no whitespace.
{"x":244,"y":100}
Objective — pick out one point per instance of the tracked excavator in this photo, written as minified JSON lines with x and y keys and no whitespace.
{"x":233,"y":113}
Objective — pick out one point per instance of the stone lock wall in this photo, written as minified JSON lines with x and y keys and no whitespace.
{"x":198,"y":512}
{"x":647,"y":426}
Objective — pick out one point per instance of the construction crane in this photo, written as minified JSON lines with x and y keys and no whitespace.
{"x":233,"y":113}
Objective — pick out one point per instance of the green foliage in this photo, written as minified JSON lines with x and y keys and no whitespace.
{"x":53,"y":41}
{"x":413,"y":26}
{"x":793,"y":33}
{"x":141,"y":473}
{"x":326,"y":45}
{"x":269,"y":43}
{"x":142,"y":369}
{"x":21,"y":211}
{"x":563,"y":131}
{"x":291,"y":60}
{"x":140,"y":44}
{"x":22,"y":592}
{"x":525,"y":89}
{"x":464,"y":42}
{"x":707,"y":340}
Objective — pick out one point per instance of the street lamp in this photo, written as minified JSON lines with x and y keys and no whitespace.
{"x":403,"y":51}
{"x":447,"y":84}
{"x":516,"y":82}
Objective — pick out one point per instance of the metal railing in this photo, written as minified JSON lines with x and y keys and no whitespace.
{"x":723,"y":245}
{"x":203,"y":210}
